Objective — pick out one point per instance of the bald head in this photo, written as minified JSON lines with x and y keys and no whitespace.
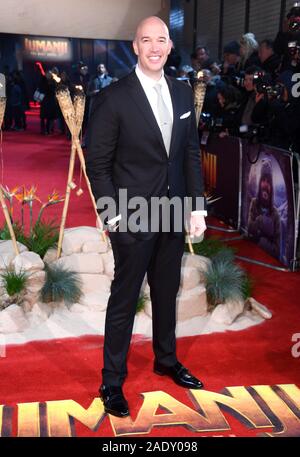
{"x":152,"y":22}
{"x":152,"y":45}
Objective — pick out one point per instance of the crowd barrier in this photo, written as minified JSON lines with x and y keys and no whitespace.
{"x":256,"y":191}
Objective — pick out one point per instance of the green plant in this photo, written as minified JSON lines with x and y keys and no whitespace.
{"x":224,"y":281}
{"x":14,"y":283}
{"x":210,"y":247}
{"x":60,"y":284}
{"x":43,"y":236}
{"x":141,"y":303}
{"x":5,"y":235}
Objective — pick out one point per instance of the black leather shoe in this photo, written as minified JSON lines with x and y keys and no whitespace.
{"x":179,"y":374}
{"x":114,"y":401}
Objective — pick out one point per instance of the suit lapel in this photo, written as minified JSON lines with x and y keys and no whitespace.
{"x":141,"y":100}
{"x":139,"y":97}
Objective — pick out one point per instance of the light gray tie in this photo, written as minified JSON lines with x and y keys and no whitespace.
{"x":164,"y":117}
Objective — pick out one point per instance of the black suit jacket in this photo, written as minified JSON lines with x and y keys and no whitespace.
{"x":125,"y":148}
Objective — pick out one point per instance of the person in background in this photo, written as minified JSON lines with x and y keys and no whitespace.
{"x":99,"y":82}
{"x":248,"y":51}
{"x":81,"y":78}
{"x":210,"y":104}
{"x":18,"y":77}
{"x":16,"y":104}
{"x":228,"y":111}
{"x":254,"y":105}
{"x":231,"y":58}
{"x":200,"y":60}
{"x":49,"y":107}
{"x":269,"y":61}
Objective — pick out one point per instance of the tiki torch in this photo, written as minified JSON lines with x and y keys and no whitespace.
{"x":199,"y":95}
{"x":73,"y":114}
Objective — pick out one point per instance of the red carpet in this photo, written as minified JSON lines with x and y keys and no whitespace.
{"x":69,"y":369}
{"x":31,"y":159}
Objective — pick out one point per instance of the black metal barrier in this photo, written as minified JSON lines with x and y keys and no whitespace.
{"x":256,"y":191}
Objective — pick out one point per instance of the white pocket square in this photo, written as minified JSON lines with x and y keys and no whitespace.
{"x":185,"y":115}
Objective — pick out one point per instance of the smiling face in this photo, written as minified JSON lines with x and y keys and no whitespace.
{"x":152,"y":45}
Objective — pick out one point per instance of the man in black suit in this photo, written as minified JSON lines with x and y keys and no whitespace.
{"x":143,"y":138}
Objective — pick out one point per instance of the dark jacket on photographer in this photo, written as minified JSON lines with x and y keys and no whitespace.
{"x":281,"y":47}
{"x":272,"y":66}
{"x":229,"y":113}
{"x":230,"y":116}
{"x":253,"y":112}
{"x":284,"y":124}
{"x":253,"y":59}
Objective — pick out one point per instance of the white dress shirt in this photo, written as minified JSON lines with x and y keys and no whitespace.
{"x":148,"y":86}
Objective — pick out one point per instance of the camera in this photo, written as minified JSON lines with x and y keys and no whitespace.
{"x":264,"y":85}
{"x":255,"y":133}
{"x":293,"y":48}
{"x":294,"y":18}
{"x":238,"y":81}
{"x":210,"y":123}
{"x":190,"y":77}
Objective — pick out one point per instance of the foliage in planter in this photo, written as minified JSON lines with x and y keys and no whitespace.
{"x":210,"y":247}
{"x":14,"y":284}
{"x":225,"y":280}
{"x":41,"y":235}
{"x":60,"y":285}
{"x":5,"y":235}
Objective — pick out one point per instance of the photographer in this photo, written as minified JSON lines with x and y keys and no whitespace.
{"x":228,"y":111}
{"x":210,"y":104}
{"x":255,"y":105}
{"x":229,"y":67}
{"x":290,"y":32}
{"x":269,"y":61}
{"x":284,"y":114}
